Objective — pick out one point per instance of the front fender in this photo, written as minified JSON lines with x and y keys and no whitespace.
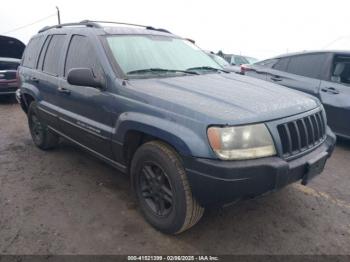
{"x":184,"y":140}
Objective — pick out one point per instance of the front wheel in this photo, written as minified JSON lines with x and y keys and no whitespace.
{"x":41,"y":135}
{"x":162,"y":189}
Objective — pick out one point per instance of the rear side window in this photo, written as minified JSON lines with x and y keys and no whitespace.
{"x":53,"y":55}
{"x":307,"y":65}
{"x":32,"y":51}
{"x":81,"y":55}
{"x":282,"y":64}
{"x":43,"y":52}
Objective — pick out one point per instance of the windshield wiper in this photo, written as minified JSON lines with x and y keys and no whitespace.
{"x":207,"y":68}
{"x":159,"y":70}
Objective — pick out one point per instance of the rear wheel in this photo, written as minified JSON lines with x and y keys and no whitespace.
{"x":162,"y":188}
{"x":41,"y":135}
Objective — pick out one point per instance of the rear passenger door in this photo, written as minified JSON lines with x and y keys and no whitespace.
{"x":300,"y":72}
{"x":335,"y":96}
{"x":85,"y":114}
{"x":47,"y":76}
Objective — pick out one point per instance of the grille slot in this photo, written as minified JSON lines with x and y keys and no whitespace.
{"x":302,"y":134}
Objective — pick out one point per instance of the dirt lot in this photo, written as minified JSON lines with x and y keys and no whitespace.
{"x":67,"y":202}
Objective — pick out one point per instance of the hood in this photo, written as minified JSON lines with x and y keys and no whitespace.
{"x":223,"y":98}
{"x":11,"y":47}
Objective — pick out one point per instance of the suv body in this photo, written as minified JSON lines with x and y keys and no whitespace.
{"x":11,"y":51}
{"x":324,"y":74}
{"x":173,"y":127}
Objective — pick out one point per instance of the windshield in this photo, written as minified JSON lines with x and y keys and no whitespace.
{"x":220,"y":60}
{"x":251,"y":60}
{"x":239,"y":60}
{"x":137,"y":53}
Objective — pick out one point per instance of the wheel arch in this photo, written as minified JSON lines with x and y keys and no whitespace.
{"x":134,"y":129}
{"x":28,"y":95}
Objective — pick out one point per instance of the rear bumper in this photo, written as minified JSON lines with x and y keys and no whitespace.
{"x":8,"y":88}
{"x":18,"y":96}
{"x":216,"y":182}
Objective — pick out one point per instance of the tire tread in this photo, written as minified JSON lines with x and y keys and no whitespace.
{"x":50,"y":139}
{"x":194,"y":211}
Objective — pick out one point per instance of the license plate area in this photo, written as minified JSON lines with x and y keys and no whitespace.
{"x":314,"y":167}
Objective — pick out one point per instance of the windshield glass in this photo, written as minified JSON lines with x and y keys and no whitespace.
{"x":140,"y":52}
{"x":220,"y":60}
{"x":251,"y":60}
{"x":239,"y":60}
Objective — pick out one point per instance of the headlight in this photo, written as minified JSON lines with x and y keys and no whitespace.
{"x":241,"y":142}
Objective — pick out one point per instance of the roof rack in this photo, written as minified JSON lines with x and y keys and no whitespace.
{"x":82,"y":23}
{"x":122,"y":23}
{"x":95,"y":24}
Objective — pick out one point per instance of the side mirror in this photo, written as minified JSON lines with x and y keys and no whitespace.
{"x":83,"y":77}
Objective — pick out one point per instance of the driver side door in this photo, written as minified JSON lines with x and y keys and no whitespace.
{"x":85,"y":115}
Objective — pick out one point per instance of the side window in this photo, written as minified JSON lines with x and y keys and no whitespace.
{"x":32,"y":51}
{"x":307,"y":65}
{"x":340,"y":72}
{"x":53,"y":55}
{"x":43,"y":52}
{"x":82,"y":55}
{"x":282,"y":64}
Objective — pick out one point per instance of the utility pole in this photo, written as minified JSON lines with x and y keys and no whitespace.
{"x":58,"y":15}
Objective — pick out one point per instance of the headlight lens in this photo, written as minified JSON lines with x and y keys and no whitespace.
{"x":241,"y":142}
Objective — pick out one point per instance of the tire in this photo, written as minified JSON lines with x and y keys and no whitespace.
{"x":162,"y":189}
{"x":41,"y":135}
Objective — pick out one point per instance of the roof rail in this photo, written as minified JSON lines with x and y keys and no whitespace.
{"x":82,"y":23}
{"x":122,"y":23}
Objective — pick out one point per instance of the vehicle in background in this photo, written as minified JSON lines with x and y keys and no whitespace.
{"x":324,"y":74}
{"x":11,"y":51}
{"x":189,"y":134}
{"x":237,"y":60}
{"x":8,"y":79}
{"x":251,"y":60}
{"x":222,"y":62}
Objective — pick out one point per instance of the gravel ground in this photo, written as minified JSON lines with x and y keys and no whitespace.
{"x":67,"y":202}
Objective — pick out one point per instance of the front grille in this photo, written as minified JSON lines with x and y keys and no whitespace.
{"x":302,"y":134}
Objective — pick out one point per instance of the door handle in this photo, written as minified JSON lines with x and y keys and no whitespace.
{"x":276,"y":78}
{"x":64,"y":90}
{"x":330,"y":90}
{"x":34,"y":79}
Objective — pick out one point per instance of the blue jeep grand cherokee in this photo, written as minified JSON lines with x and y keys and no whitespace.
{"x":155,"y":106}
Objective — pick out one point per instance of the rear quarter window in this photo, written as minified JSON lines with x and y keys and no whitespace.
{"x":32,"y":51}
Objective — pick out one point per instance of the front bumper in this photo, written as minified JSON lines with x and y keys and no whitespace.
{"x":216,"y":182}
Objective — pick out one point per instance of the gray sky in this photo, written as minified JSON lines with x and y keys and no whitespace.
{"x":260,"y":28}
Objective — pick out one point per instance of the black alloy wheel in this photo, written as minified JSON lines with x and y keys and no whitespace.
{"x":156,"y":189}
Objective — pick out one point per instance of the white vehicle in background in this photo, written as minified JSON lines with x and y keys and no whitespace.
{"x":237,"y":61}
{"x":222,"y":62}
